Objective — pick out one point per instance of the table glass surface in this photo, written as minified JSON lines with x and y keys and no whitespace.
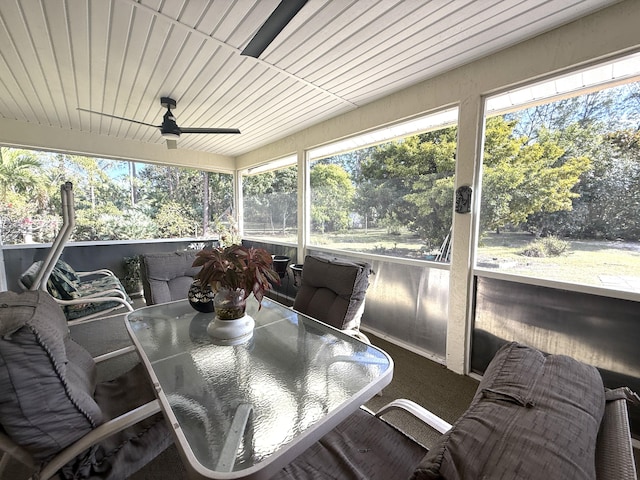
{"x":294,"y":373}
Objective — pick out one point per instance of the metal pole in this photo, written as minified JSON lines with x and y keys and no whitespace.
{"x":68,"y":224}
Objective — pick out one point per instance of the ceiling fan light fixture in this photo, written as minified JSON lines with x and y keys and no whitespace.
{"x":169,"y":129}
{"x":170,"y":136}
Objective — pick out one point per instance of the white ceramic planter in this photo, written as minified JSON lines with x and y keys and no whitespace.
{"x":231,"y":332}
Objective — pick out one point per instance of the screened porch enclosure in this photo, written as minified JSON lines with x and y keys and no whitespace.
{"x":443,"y":286}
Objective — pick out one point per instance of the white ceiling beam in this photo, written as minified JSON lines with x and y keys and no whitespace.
{"x":14,"y":133}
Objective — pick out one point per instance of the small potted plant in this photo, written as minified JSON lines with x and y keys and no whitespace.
{"x":233,"y":273}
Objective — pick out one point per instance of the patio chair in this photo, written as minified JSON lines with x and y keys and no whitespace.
{"x":167,"y":276}
{"x":82,"y":295}
{"x":54,"y":419}
{"x":333,"y":291}
{"x":533,"y":416}
{"x":81,"y":298}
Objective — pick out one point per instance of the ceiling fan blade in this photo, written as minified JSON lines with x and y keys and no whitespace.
{"x":208,"y":130}
{"x":270,"y":29}
{"x":118,"y":118}
{"x":172,"y":144}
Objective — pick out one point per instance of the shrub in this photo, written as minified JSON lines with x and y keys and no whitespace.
{"x":534,"y":249}
{"x":554,"y":246}
{"x":546,"y":247}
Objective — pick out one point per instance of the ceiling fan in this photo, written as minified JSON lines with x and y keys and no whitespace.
{"x":279,"y":18}
{"x":169,"y":128}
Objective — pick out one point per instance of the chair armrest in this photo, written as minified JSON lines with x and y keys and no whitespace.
{"x":614,"y":450}
{"x":417,"y":411}
{"x":95,"y":299}
{"x":97,"y":435}
{"x":102,"y":271}
{"x":114,"y":354}
{"x":103,"y":293}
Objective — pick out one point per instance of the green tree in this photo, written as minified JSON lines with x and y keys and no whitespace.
{"x":159,"y":187}
{"x":186,"y":187}
{"x":608,"y":204}
{"x":15,"y":218}
{"x":331,"y":195}
{"x":94,"y":223}
{"x":217,"y":201}
{"x":602,"y":109}
{"x":132,"y":224}
{"x":432,"y":192}
{"x":585,"y":126}
{"x":351,"y":162}
{"x":19,"y":172}
{"x":521,"y":179}
{"x":410,"y":183}
{"x":255,"y":194}
{"x":624,"y":195}
{"x":172,"y":221}
{"x":24,"y":197}
{"x":271,"y":198}
{"x":93,"y":183}
{"x":97,"y":194}
{"x":183,"y":187}
{"x":112,"y":199}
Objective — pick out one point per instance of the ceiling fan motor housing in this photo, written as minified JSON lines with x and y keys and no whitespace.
{"x":169,"y":128}
{"x":168,"y":102}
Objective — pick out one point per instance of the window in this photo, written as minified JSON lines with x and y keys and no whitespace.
{"x":561,"y":172}
{"x":271,"y":202}
{"x":388,"y":192}
{"x":114,"y":200}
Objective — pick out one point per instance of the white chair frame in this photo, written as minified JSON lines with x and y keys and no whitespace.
{"x":9,"y":449}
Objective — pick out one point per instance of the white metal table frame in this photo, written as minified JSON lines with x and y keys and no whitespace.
{"x":210,"y":394}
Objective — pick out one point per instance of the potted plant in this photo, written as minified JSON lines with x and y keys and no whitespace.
{"x":280,"y":263}
{"x":132,"y":282}
{"x":233,"y":273}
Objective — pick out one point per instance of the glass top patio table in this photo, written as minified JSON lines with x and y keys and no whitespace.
{"x":246,"y":411}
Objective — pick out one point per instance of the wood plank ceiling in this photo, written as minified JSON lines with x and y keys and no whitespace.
{"x":120,"y":56}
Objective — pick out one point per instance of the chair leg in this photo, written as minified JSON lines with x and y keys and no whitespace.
{"x":4,"y":461}
{"x":10,"y":451}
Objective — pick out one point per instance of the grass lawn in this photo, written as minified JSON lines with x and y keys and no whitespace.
{"x":378,"y":241}
{"x":589,"y":262}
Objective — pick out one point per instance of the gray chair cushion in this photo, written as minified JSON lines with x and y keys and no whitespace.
{"x":65,"y":281}
{"x":49,"y":397}
{"x":333,"y":290}
{"x":362,"y":447}
{"x":67,"y":270}
{"x":167,"y":276}
{"x":46,"y":379}
{"x":532,"y":417}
